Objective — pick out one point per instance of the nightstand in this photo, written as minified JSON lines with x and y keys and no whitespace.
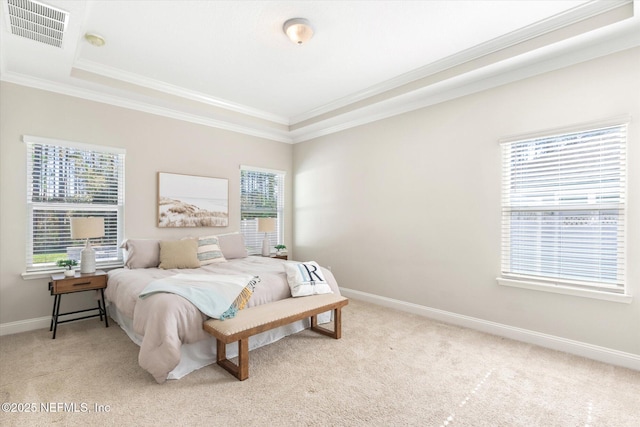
{"x":61,"y":284}
{"x":280,"y":256}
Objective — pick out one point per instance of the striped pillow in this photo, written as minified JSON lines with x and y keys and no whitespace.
{"x":209,"y":251}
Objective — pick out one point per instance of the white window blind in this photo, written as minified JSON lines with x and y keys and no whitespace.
{"x":563,"y":209}
{"x":261,"y":196}
{"x":65,"y":180}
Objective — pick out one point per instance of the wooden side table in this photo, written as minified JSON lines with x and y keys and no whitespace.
{"x":280,"y":256}
{"x":61,"y":284}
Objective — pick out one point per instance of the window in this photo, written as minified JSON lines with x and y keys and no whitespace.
{"x":563,"y":209}
{"x":65,"y":180}
{"x":261,"y":196}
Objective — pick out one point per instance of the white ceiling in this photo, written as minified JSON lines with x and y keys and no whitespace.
{"x":228,"y":64}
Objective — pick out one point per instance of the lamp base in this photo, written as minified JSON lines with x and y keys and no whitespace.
{"x":88,"y":259}
{"x":266,"y":249}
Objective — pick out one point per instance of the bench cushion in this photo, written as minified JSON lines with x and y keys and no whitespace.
{"x":253,"y":317}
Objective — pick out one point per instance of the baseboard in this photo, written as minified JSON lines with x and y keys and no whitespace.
{"x":28,"y":325}
{"x":602,"y":354}
{"x":24,"y":325}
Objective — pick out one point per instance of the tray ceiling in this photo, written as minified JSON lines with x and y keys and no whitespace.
{"x":228,"y":64}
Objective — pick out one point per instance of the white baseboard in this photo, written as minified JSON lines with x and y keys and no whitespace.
{"x":602,"y":354}
{"x":24,"y":325}
{"x":30,"y":325}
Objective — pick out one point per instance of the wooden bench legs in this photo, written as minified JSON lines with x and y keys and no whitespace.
{"x":337,"y":325}
{"x":241,"y":370}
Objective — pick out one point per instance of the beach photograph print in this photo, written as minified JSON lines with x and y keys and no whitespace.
{"x":192,"y":201}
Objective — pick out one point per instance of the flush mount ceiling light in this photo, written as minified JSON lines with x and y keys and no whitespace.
{"x":299,"y":30}
{"x":94,"y":39}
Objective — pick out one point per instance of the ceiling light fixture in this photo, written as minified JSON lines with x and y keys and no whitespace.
{"x":299,"y":30}
{"x":95,"y":39}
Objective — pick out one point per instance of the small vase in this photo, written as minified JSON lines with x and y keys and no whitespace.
{"x":69,"y":273}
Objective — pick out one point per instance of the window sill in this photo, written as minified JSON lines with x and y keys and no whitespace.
{"x":46,"y":274}
{"x":566,"y":290}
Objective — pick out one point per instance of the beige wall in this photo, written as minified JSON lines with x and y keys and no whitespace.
{"x":409,"y":207}
{"x":153,"y":144}
{"x":406,"y":208}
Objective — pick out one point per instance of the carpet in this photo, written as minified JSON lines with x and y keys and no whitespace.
{"x":390,"y":368}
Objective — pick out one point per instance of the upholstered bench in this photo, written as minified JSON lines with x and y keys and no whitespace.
{"x":253,"y":320}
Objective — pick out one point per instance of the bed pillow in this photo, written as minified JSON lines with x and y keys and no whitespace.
{"x":142,"y":253}
{"x":179,"y":254}
{"x":209,"y":250}
{"x":306,"y":278}
{"x":232,"y":245}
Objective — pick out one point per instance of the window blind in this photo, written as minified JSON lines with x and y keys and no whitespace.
{"x":65,"y":180}
{"x":563,"y":208}
{"x":261,"y":196}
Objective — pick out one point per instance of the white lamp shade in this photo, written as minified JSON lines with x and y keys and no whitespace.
{"x":87,"y":228}
{"x":266,"y":225}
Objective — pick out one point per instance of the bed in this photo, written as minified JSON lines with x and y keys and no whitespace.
{"x":166,"y":326}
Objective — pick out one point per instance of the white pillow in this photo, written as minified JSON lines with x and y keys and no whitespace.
{"x":306,"y":278}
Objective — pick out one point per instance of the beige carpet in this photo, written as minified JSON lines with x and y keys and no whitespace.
{"x":389,"y":369}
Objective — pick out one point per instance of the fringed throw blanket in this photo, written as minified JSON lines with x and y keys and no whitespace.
{"x":219,"y":296}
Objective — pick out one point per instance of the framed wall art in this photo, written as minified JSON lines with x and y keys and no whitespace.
{"x":192,"y":201}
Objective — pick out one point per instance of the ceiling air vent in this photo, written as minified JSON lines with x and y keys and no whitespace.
{"x":37,"y":21}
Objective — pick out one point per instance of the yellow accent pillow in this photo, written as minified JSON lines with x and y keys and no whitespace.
{"x":179,"y":254}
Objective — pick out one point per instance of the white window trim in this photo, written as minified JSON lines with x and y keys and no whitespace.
{"x":72,"y":144}
{"x":611,"y":121}
{"x":266,"y":170}
{"x":280,"y":220}
{"x":47,"y":271}
{"x":557,"y":286}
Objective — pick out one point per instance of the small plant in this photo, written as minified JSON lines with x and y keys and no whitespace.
{"x":280,"y":247}
{"x":68,"y":264}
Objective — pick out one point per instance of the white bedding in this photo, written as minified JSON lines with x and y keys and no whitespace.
{"x":168,"y":328}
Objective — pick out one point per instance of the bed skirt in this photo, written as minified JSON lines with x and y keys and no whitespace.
{"x":203,"y":353}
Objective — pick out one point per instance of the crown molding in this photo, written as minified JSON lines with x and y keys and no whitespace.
{"x":514,"y":38}
{"x":580,"y":13}
{"x":476,"y":81}
{"x":170,"y":89}
{"x":443,"y":91}
{"x":63,"y":89}
{"x":500,"y":70}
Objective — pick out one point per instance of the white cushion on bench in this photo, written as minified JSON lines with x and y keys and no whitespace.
{"x":266,"y":313}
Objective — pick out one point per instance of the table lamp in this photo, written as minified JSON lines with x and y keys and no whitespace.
{"x":266,"y":225}
{"x":87,"y":228}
